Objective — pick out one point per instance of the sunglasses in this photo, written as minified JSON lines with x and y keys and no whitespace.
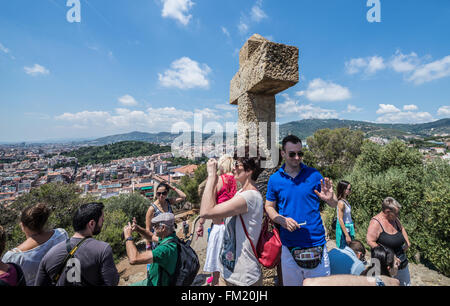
{"x":299,"y":154}
{"x":161,"y":193}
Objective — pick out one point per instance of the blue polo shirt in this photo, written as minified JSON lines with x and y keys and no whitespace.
{"x":296,"y":199}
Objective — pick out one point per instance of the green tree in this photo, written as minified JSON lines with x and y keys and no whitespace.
{"x":132,"y":205}
{"x":421,"y":188}
{"x":334,"y":152}
{"x":62,"y":199}
{"x":112,"y":232}
{"x":190,"y":185}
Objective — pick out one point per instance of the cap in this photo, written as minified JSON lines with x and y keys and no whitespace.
{"x":165,"y":218}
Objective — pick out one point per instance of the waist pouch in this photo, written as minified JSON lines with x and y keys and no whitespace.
{"x":308,"y":258}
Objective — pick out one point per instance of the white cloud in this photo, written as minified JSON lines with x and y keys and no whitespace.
{"x":413,"y":68}
{"x":226,"y":107}
{"x":177,"y":9}
{"x":243,"y":27}
{"x":225,"y":31}
{"x":128,"y":100}
{"x":4,"y":49}
{"x":387,"y":108}
{"x":353,"y":109}
{"x":432,"y":71}
{"x":123,"y":119}
{"x":410,"y":107}
{"x":36,"y":70}
{"x":304,"y":111}
{"x":391,"y":114}
{"x":405,"y":117}
{"x":257,"y":14}
{"x":185,"y":74}
{"x":404,"y":63}
{"x":368,"y":65}
{"x":444,"y":111}
{"x":320,"y":90}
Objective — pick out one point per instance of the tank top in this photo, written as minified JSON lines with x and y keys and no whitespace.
{"x":347,"y":217}
{"x":392,"y":241}
{"x":158,"y":211}
{"x":228,"y":190}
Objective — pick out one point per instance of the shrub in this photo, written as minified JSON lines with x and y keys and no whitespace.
{"x":132,"y":205}
{"x":112,"y":232}
{"x":421,"y":188}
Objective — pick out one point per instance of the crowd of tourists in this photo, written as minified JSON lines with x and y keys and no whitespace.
{"x":234,"y":204}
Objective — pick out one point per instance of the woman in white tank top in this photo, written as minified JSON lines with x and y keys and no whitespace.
{"x":345,"y":229}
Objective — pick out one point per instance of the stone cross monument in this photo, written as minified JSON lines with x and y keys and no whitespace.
{"x":265,"y":69}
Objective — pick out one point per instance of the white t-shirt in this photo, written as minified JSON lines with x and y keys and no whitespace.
{"x":247,"y":269}
{"x":29,"y":260}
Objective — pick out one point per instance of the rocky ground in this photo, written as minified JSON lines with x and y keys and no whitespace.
{"x":420,"y":275}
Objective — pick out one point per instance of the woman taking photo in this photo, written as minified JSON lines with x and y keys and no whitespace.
{"x":385,"y":229}
{"x":225,"y":190}
{"x":243,"y":216}
{"x":345,"y":229}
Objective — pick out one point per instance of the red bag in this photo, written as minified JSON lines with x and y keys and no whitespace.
{"x":268,"y":249}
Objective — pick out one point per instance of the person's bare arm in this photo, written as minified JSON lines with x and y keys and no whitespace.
{"x":134,"y":257}
{"x":208,"y":207}
{"x":181,"y":196}
{"x":405,"y":235}
{"x":341,"y":208}
{"x":373,"y":232}
{"x":287,"y":223}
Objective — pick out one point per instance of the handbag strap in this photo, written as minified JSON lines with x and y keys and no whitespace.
{"x":246,"y":234}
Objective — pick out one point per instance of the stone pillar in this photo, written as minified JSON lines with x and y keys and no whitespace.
{"x":266,"y":68}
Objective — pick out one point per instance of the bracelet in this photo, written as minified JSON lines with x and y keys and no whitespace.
{"x":129,"y":239}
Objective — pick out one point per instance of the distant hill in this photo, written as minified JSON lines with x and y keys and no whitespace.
{"x":307,"y":127}
{"x":104,"y":154}
{"x":303,"y":129}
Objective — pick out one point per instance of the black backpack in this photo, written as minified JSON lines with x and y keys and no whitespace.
{"x":187,"y":264}
{"x":21,"y":282}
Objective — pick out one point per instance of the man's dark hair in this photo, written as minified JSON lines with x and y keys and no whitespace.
{"x":357,"y":246}
{"x":290,"y":138}
{"x":86,"y":213}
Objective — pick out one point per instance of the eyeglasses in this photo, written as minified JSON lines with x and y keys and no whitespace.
{"x":299,"y":154}
{"x":161,"y":193}
{"x":157,"y":225}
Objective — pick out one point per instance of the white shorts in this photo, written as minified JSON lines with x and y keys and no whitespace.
{"x":213,"y":249}
{"x":293,"y":275}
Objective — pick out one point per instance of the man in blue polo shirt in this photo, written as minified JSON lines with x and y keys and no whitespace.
{"x":292,"y":201}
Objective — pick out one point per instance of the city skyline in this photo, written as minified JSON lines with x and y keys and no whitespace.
{"x":145,"y":65}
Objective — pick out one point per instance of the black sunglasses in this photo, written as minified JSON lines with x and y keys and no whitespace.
{"x":299,"y":154}
{"x":161,"y":193}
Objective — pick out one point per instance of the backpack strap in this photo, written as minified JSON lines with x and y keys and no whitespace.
{"x":246,"y":234}
{"x":70,"y":253}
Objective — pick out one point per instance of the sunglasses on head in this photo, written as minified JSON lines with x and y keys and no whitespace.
{"x":299,"y":154}
{"x":161,"y":193}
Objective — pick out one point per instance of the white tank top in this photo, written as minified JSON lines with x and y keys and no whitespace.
{"x":347,"y":212}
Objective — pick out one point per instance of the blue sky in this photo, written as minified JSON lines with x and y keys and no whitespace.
{"x":146,"y":64}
